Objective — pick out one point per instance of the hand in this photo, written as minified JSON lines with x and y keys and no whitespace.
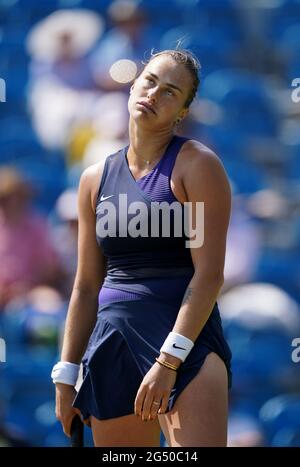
{"x":156,"y":386}
{"x":65,"y":395}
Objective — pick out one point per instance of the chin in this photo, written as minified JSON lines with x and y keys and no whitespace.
{"x":139,"y":116}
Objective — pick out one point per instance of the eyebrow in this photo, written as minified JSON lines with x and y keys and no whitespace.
{"x":168,"y":84}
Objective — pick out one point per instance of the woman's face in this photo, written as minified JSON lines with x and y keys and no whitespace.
{"x":159,"y":94}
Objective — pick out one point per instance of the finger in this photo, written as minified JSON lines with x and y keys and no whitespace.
{"x":164,"y":405}
{"x":139,"y":400}
{"x":86,"y":421}
{"x":156,"y":403}
{"x":77,"y":411}
{"x":66,"y":431}
{"x":68,"y":422}
{"x":147,"y":406}
{"x":67,"y":426}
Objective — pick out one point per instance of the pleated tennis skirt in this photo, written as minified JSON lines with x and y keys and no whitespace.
{"x":123,"y":346}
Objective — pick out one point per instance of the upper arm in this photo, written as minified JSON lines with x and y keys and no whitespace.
{"x":91,"y":262}
{"x":205,"y":180}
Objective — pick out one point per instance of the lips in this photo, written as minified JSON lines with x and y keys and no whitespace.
{"x":148,"y":106}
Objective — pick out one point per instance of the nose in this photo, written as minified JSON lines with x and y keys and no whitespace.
{"x":152,"y":96}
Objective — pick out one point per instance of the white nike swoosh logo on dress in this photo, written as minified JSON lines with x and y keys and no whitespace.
{"x":103,"y":198}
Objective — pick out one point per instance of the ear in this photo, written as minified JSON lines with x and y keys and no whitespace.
{"x":131,"y":88}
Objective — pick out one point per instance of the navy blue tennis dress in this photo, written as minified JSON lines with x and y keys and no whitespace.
{"x":142,"y":292}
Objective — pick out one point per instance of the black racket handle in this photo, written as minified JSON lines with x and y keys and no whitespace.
{"x":77,"y":432}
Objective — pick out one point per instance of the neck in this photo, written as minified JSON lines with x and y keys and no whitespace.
{"x":146,"y":145}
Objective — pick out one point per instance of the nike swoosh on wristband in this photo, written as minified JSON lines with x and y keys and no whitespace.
{"x":176,"y":347}
{"x":103,"y":198}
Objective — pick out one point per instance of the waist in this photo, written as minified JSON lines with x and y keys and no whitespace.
{"x":169,"y":289}
{"x":149,"y":264}
{"x":117,"y":275}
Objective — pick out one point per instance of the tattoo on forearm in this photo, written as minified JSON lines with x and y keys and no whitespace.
{"x":187,"y":296}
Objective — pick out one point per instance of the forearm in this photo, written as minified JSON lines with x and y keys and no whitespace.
{"x":197,"y":304}
{"x":81,"y":319}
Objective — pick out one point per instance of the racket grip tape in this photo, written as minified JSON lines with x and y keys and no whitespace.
{"x":77,"y":432}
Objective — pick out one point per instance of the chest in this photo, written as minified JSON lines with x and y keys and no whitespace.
{"x":176,"y":179}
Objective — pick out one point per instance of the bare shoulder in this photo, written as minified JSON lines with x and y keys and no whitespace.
{"x":90,"y":182}
{"x":195,"y":154}
{"x":201,"y":164}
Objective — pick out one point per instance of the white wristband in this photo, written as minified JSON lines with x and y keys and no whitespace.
{"x":177,"y":345}
{"x":65,"y":372}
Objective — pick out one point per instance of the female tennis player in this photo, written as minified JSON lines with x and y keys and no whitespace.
{"x":151,"y":342}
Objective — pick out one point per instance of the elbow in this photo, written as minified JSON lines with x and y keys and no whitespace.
{"x":213,"y":278}
{"x":86,"y":290}
{"x":221,"y":281}
{"x":86,"y":295}
{"x":220,"y":278}
{"x":217,"y":280}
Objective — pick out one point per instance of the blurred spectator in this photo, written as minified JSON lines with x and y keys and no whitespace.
{"x":244,"y":244}
{"x":59,"y":45}
{"x":257,"y":53}
{"x":65,"y":235}
{"x":27,"y":256}
{"x":55,"y":109}
{"x":244,"y":430}
{"x":126,"y":40}
{"x":106,"y":125}
{"x":61,"y":87}
{"x":280,"y":418}
{"x":10,"y":437}
{"x":99,"y":148}
{"x":35,"y":320}
{"x":260,"y":321}
{"x":250,"y":54}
